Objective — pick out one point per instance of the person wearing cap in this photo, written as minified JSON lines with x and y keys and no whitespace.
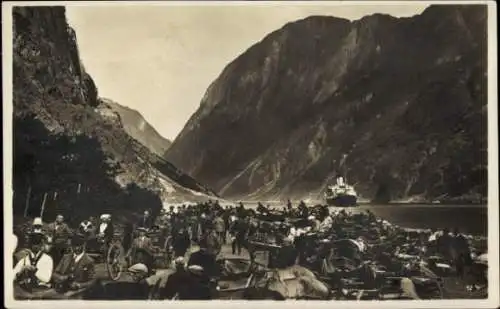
{"x":76,"y":269}
{"x":139,"y":272}
{"x":60,"y":232}
{"x":141,"y":250}
{"x":35,"y":269}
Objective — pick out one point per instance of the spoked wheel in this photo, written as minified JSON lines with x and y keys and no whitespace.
{"x":113,"y":261}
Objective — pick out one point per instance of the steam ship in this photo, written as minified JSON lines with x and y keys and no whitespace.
{"x":341,"y":194}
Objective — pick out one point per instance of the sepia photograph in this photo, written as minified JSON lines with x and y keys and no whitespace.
{"x":242,"y":151}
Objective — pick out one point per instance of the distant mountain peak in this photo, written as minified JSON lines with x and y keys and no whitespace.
{"x":138,"y":128}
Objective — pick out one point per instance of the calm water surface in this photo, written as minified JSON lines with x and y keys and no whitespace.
{"x":470,"y":219}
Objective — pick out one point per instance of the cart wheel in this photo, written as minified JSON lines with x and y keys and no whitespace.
{"x":113,"y":261}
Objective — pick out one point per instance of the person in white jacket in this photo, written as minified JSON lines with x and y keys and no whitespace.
{"x":35,"y":269}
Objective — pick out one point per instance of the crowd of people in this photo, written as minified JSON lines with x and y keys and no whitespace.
{"x":56,"y":256}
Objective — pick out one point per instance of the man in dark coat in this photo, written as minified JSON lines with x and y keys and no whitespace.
{"x":239,"y":232}
{"x":146,"y":220}
{"x":185,"y":285}
{"x":76,"y":269}
{"x":181,"y":242}
{"x":460,"y":252}
{"x":287,"y":256}
{"x":60,"y":233}
{"x":207,"y":261}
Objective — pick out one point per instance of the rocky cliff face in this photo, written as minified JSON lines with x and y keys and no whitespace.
{"x":138,"y":128}
{"x":66,"y":146}
{"x":398,"y":105}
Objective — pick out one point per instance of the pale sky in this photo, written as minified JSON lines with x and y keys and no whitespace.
{"x":160,"y":60}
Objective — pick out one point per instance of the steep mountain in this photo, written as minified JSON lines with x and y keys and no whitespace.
{"x":138,"y":128}
{"x":396,"y":104}
{"x":71,"y":154}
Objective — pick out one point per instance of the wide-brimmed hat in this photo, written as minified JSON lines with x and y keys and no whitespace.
{"x":141,"y":229}
{"x":78,"y":240}
{"x":37,"y":221}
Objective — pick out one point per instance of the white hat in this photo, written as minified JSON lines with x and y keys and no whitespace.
{"x":105,"y":216}
{"x":195,"y":269}
{"x":179,"y":260}
{"x":37,"y":221}
{"x":138,"y":268}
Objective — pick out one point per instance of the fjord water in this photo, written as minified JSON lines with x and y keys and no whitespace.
{"x":469,"y":219}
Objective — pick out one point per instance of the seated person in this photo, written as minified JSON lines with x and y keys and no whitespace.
{"x":141,"y":250}
{"x":178,"y":284}
{"x":204,"y":258}
{"x":76,"y":269}
{"x":34,"y":270}
{"x":287,"y":256}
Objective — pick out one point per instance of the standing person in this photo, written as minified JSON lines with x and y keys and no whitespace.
{"x":60,"y":233}
{"x":105,"y":230}
{"x":210,"y":240}
{"x":35,"y":269}
{"x":181,"y":242}
{"x":76,"y":269}
{"x":141,"y":250}
{"x":146,"y":220}
{"x":239,"y":232}
{"x":460,"y":252}
{"x":220,"y":228}
{"x":227,"y":222}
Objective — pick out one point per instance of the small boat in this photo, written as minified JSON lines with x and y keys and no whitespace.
{"x":341,"y":194}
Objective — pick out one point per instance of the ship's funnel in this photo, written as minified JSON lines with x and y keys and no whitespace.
{"x":340,"y":181}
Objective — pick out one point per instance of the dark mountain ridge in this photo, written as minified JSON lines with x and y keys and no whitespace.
{"x":69,"y":153}
{"x":397,"y":104}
